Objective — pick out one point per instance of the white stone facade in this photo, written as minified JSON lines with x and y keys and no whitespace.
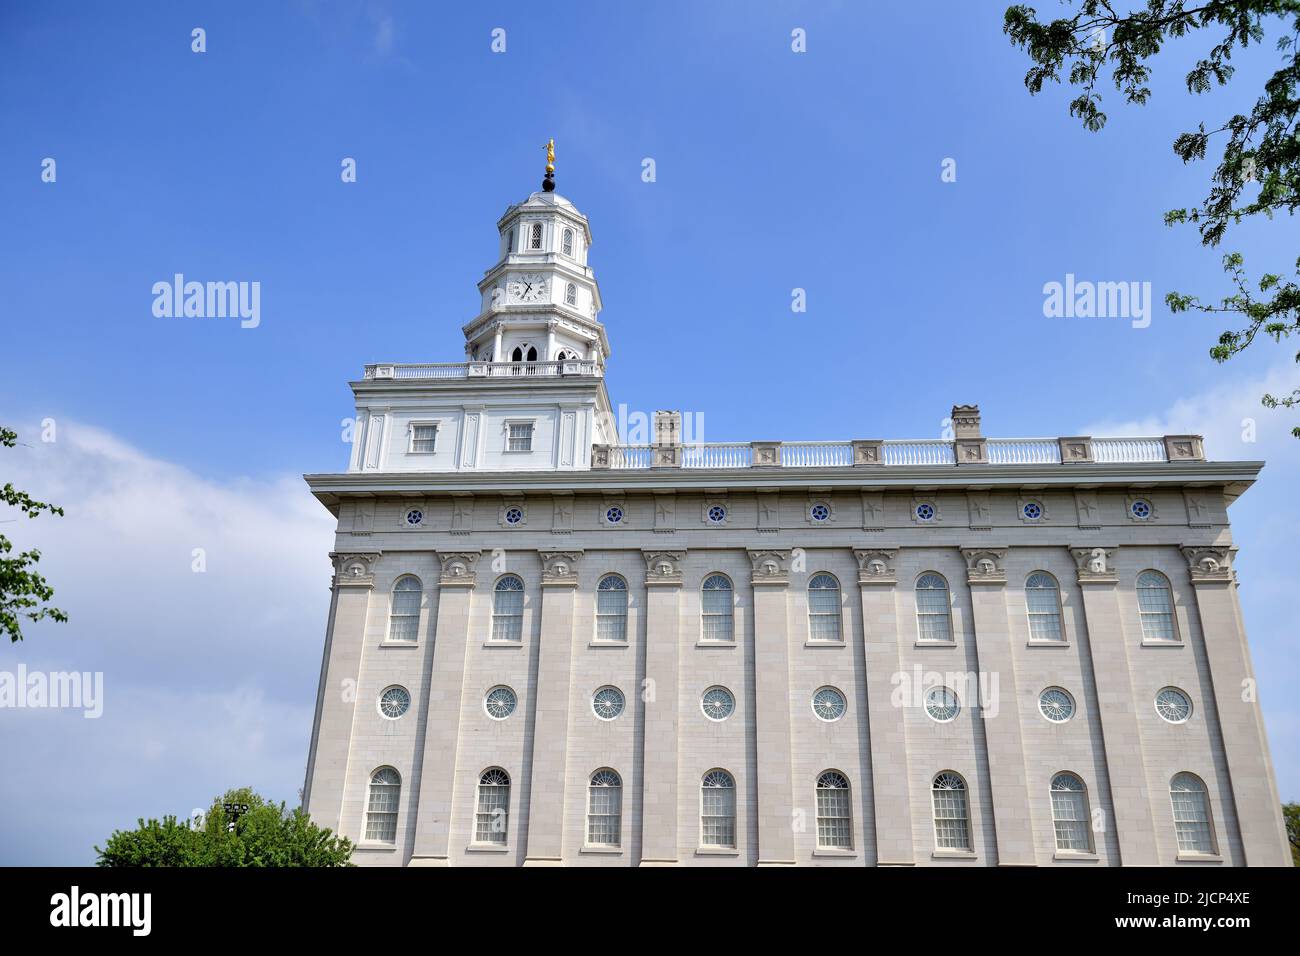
{"x":426,"y":539}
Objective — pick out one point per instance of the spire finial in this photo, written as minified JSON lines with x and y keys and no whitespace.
{"x":548,"y":181}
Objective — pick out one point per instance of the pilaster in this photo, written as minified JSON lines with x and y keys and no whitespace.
{"x":340,"y":669}
{"x":551,"y":717}
{"x":775,"y":777}
{"x":1245,"y":742}
{"x":891,"y":774}
{"x":1000,"y":709}
{"x":442,"y":718}
{"x":659,"y":779}
{"x":1126,"y":768}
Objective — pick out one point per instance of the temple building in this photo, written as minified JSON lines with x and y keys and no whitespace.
{"x":546,"y":646}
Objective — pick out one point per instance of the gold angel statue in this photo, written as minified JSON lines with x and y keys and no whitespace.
{"x":550,"y":156}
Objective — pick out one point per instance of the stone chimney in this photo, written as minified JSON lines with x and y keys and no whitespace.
{"x":968,"y":444}
{"x":667,"y":439}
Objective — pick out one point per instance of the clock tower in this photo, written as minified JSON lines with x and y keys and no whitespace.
{"x":540,"y":301}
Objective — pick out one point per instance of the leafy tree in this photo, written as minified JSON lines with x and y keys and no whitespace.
{"x":1291,"y":812}
{"x":266,"y":834}
{"x":1259,"y":169}
{"x":23,"y":592}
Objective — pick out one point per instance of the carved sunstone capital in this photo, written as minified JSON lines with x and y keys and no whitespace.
{"x":985,"y":565}
{"x":769,"y":567}
{"x":560,"y":568}
{"x":1208,"y":564}
{"x":457,"y":568}
{"x":876,"y":565}
{"x":354,"y":569}
{"x":663,"y":568}
{"x":1095,"y":564}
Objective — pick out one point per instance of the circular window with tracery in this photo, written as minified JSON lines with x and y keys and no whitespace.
{"x":607,"y":703}
{"x":717,"y":514}
{"x":614,"y":514}
{"x":1032,"y":510}
{"x":415,"y":517}
{"x":1140,"y":509}
{"x":1056,"y":705}
{"x":925,"y":511}
{"x":829,"y":704}
{"x":1173,"y":705}
{"x":394,"y":702}
{"x":941,"y":704}
{"x":500,"y":703}
{"x":717,"y":703}
{"x":820,"y":512}
{"x":514,"y":515}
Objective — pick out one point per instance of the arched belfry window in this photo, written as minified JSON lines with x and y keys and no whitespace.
{"x":568,"y":242}
{"x":570,"y":294}
{"x":535,"y":236}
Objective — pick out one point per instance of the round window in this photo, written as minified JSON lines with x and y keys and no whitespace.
{"x":614,"y":515}
{"x":717,"y":703}
{"x":1056,"y":705}
{"x":941,"y":704}
{"x":394,"y":702}
{"x":820,"y":512}
{"x":829,"y":704}
{"x":415,"y":517}
{"x":514,"y":515}
{"x":1032,"y":510}
{"x":1173,"y":705}
{"x":925,"y":511}
{"x":500,"y":703}
{"x":607,"y":703}
{"x":717,"y":514}
{"x":1141,"y":509}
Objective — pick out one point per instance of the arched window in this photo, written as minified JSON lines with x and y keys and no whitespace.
{"x":532,"y":353}
{"x":834,"y":815}
{"x":1043,"y":602}
{"x":605,"y":809}
{"x":933,"y":610}
{"x":567,"y":246}
{"x":517,"y":355}
{"x":951,"y":813}
{"x":508,"y":609}
{"x":611,"y":609}
{"x":381,"y":805}
{"x":1070,"y":813}
{"x":716,"y":609}
{"x":824,"y":609}
{"x":404,"y":611}
{"x":1192,"y":822}
{"x":718,"y":809}
{"x":535,"y":236}
{"x":570,"y":294}
{"x":1156,"y":607}
{"x":510,"y":242}
{"x":493,"y":812}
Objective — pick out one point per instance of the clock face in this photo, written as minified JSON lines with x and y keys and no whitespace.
{"x":528,"y":288}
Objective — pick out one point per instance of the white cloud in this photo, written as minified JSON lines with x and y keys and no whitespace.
{"x":209,"y":678}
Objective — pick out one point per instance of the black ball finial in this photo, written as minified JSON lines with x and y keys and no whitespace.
{"x":548,"y":182}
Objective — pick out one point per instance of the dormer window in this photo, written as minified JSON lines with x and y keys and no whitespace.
{"x":568,"y":242}
{"x":535,"y":236}
{"x":570,"y":294}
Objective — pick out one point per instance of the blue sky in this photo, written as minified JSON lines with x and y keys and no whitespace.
{"x":775,"y":170}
